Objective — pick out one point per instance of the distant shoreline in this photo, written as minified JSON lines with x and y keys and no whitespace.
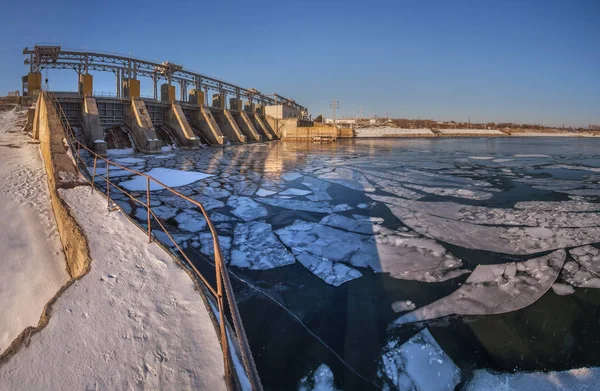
{"x":390,"y":132}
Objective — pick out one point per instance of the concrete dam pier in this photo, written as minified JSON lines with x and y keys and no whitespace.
{"x":149,"y":124}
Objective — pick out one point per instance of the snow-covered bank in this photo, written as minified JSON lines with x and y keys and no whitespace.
{"x":552,"y":134}
{"x":32,"y":262}
{"x":393,"y":132}
{"x":134,"y":321}
{"x":470,"y":132}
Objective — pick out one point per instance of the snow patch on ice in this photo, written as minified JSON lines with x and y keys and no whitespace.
{"x":168,"y":176}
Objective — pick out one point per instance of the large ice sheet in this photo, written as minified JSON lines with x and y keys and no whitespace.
{"x":168,"y":176}
{"x":584,"y":272}
{"x":256,"y":247}
{"x":419,"y":364}
{"x":580,"y":379}
{"x":399,"y":254}
{"x":513,"y":240}
{"x":495,"y":289}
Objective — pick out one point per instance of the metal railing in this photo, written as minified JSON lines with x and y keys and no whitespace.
{"x":223,"y":290}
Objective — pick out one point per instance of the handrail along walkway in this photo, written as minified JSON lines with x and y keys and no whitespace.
{"x":223,"y":290}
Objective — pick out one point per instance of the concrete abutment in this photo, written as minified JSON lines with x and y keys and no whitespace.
{"x":142,"y":131}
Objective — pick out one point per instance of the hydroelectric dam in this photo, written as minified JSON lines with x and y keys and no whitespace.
{"x":127,"y":119}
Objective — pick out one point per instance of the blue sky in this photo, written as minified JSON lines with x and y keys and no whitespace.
{"x":526,"y":61}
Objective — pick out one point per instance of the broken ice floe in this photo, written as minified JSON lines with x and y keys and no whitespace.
{"x":419,"y":364}
{"x":333,"y":273}
{"x":246,"y":208}
{"x":348,"y":178}
{"x":256,"y":247}
{"x":290,"y":176}
{"x":403,"y":305}
{"x":513,"y":240}
{"x":320,"y":380}
{"x":191,"y":221}
{"x":584,"y":271}
{"x":495,"y":289}
{"x":295,"y":192}
{"x":307,"y":206}
{"x":399,"y":254}
{"x":573,"y":379}
{"x":562,"y":289}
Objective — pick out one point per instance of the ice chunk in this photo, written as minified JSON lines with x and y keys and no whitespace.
{"x":342,"y":207}
{"x":574,"y":379}
{"x":291,"y":176}
{"x":256,"y":247}
{"x":562,"y":289}
{"x":207,"y":247}
{"x":585,"y":271}
{"x":348,"y":178}
{"x":264,"y":192}
{"x":191,"y":221}
{"x":320,"y":380}
{"x":348,"y":224}
{"x":215,"y":192}
{"x":307,"y":206}
{"x":245,"y":208}
{"x":295,"y":192}
{"x":333,"y":273}
{"x":419,"y":364}
{"x":318,"y":187}
{"x":495,"y":289}
{"x":389,"y":251}
{"x":129,"y":160}
{"x":170,"y":177}
{"x":402,"y":306}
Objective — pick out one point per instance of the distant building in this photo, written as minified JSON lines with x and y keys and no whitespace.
{"x":342,"y":121}
{"x":373,"y":121}
{"x":14,"y":93}
{"x":282,"y":112}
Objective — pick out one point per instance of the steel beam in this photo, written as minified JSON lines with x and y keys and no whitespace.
{"x":41,"y":57}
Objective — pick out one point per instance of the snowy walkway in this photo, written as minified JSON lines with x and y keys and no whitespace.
{"x":134,"y":321}
{"x":32,"y":264}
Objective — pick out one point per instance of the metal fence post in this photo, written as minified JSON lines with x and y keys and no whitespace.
{"x":108,"y":183}
{"x":148,"y":208}
{"x":94,"y":174}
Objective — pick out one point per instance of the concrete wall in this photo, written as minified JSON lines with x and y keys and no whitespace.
{"x":62,"y":173}
{"x":139,"y":122}
{"x":228,"y":125}
{"x":204,"y":121}
{"x":260,"y":126}
{"x":175,"y":119}
{"x":288,"y":129}
{"x":281,"y":112}
{"x":92,"y":129}
{"x":246,"y":126}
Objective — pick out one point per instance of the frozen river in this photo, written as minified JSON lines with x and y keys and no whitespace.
{"x":406,"y":263}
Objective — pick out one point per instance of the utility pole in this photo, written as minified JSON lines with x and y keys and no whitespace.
{"x":334,"y":104}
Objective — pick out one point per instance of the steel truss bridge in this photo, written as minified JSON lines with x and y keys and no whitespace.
{"x":124,"y":67}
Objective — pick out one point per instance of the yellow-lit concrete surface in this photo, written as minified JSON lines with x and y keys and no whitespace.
{"x":34,"y":84}
{"x":86,"y":84}
{"x":142,"y":131}
{"x":175,"y":119}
